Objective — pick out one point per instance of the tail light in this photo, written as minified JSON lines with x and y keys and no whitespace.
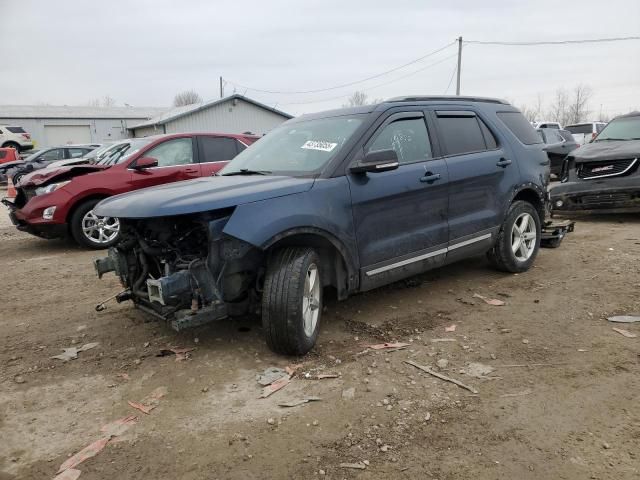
{"x":27,"y":136}
{"x":593,"y":135}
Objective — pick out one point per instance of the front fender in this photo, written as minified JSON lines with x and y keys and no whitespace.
{"x":325,"y":209}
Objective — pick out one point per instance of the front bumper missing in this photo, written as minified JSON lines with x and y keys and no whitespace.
{"x":612,"y":195}
{"x":553,"y":231}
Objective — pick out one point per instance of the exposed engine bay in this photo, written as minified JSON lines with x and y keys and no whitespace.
{"x":184,"y":270}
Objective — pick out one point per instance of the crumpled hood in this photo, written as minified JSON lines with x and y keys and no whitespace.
{"x":200,"y":195}
{"x":605,"y":150}
{"x":46,"y":175}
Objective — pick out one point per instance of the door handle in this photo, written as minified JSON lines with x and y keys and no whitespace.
{"x":191,"y":170}
{"x":504,"y":162}
{"x":430,"y":177}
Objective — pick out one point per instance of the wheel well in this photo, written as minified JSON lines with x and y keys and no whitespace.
{"x":532,"y":197}
{"x":333,"y":262}
{"x":83,"y":200}
{"x":7,"y":143}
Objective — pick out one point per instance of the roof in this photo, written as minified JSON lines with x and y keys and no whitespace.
{"x":179,"y":112}
{"x":66,"y":111}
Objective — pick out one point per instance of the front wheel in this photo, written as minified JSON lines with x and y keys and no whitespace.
{"x":91,"y":230}
{"x":518,"y":240}
{"x":292,"y":300}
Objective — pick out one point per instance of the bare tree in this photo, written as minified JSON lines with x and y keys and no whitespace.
{"x":188,"y":97}
{"x":559,"y":111}
{"x":106,"y":101}
{"x":360,"y":98}
{"x":579,"y":105}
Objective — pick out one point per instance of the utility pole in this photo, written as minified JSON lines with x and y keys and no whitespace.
{"x":221,"y":89}
{"x":459,"y":65}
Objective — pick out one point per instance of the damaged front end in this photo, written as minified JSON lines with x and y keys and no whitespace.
{"x":184,"y":269}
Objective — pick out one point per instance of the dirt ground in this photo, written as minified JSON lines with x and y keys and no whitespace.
{"x":561,"y":402}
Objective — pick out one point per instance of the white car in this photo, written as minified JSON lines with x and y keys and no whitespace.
{"x":15,"y":137}
{"x":545,"y":124}
{"x":585,"y":132}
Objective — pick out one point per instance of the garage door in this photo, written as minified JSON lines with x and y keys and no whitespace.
{"x":65,"y":134}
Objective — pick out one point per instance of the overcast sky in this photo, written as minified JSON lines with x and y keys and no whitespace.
{"x":68,"y":52}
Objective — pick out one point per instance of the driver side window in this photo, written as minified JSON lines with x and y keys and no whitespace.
{"x":408,"y":137}
{"x":173,"y":152}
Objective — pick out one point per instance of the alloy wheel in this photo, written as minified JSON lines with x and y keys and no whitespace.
{"x":100,"y":230}
{"x":523,"y":237}
{"x":311,"y":300}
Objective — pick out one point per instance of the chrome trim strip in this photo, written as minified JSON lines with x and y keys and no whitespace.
{"x":424,"y":256}
{"x":469,"y":242}
{"x":611,"y":174}
{"x":406,"y":262}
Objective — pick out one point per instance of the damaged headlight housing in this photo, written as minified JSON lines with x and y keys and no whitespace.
{"x":50,"y":188}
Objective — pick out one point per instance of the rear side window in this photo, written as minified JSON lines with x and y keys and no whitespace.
{"x":599,"y":127}
{"x":217,"y":149}
{"x":520,"y":127}
{"x":16,"y":129}
{"x":585,"y":128}
{"x":463,"y":134}
{"x":566,"y":135}
{"x":77,"y":152}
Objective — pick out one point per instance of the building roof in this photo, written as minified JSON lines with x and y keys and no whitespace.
{"x":179,"y":112}
{"x":65,"y":111}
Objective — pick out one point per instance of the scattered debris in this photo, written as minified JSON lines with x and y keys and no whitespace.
{"x":320,"y":376}
{"x":271,"y":421}
{"x":19,"y":379}
{"x":118,"y":427}
{"x":150,"y":402}
{"x":450,"y":328}
{"x":442,"y":363}
{"x":490,"y":301}
{"x":478,"y":370}
{"x":382,"y":346}
{"x":349,"y":393}
{"x":302,"y":401}
{"x":87,"y":452}
{"x":625,"y":333}
{"x":440,"y":376}
{"x":70,"y":474}
{"x":532,"y":365}
{"x":71,"y":353}
{"x":624,"y":318}
{"x":270,"y":375}
{"x":519,"y":394}
{"x":180,"y":353}
{"x":427,"y":417}
{"x":124,"y":376}
{"x":436,"y":340}
{"x":358,"y":466}
{"x":275,"y":386}
{"x":525,"y":341}
{"x":291,"y":369}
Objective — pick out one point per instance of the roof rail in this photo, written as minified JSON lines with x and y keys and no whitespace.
{"x":424,"y":98}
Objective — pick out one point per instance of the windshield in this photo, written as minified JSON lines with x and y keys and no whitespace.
{"x":98,"y":152}
{"x":123,"y":151}
{"x":300,"y":148}
{"x":626,"y":128}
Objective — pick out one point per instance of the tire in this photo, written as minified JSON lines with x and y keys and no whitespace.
{"x":284,"y":304}
{"x":502,"y":255}
{"x":103,"y":228}
{"x":14,"y":145}
{"x":16,"y":178}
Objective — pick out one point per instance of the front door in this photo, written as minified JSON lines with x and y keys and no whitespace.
{"x":400,"y":216}
{"x":176,"y":162}
{"x":482,"y":173}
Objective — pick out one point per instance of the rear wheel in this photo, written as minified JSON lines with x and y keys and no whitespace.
{"x":518,"y":240}
{"x":91,"y":230}
{"x":292,"y":300}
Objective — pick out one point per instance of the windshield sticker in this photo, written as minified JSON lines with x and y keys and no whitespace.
{"x":319,"y":145}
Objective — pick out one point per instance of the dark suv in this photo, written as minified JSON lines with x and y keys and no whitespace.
{"x":351,"y":199}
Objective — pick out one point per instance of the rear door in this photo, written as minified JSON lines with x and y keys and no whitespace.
{"x":481,"y":177}
{"x":215,"y":152}
{"x":400,"y":216}
{"x":176,"y":161}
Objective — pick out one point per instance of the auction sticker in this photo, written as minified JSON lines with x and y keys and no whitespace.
{"x":319,"y":145}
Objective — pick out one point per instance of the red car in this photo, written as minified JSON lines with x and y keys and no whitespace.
{"x":52,"y":203}
{"x":8,"y":155}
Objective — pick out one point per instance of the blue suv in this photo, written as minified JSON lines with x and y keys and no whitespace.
{"x":350,"y":199}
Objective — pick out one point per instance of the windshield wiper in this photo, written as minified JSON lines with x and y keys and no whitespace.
{"x":246,"y":171}
{"x":613,"y":139}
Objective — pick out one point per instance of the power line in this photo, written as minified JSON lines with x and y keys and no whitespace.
{"x":556,"y":42}
{"x":349,"y":84}
{"x":453,"y":74}
{"x":378,"y":85}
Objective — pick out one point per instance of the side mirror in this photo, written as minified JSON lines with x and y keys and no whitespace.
{"x":145,"y":162}
{"x":378,"y":161}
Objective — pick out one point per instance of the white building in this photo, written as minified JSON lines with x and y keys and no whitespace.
{"x":232,"y":114}
{"x":59,"y":125}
